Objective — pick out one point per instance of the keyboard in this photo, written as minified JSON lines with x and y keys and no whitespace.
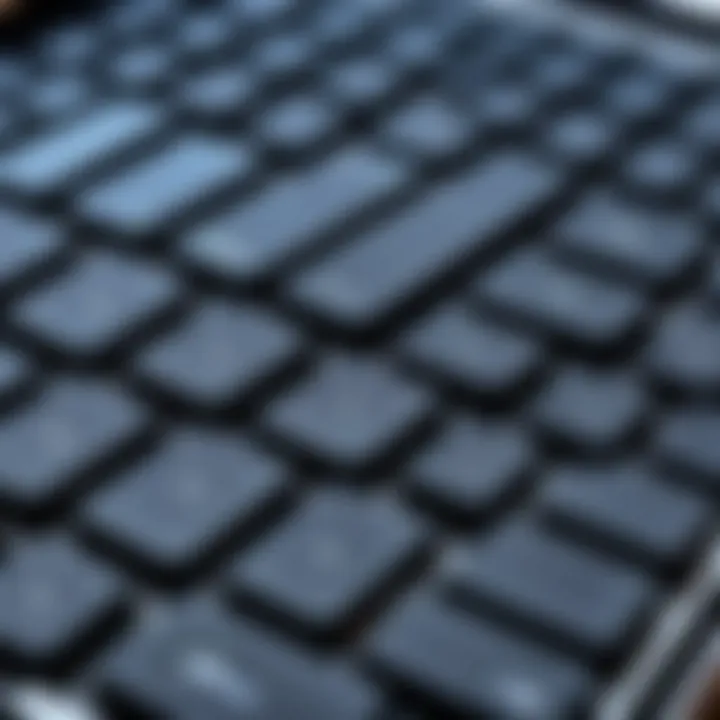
{"x":359,"y":362}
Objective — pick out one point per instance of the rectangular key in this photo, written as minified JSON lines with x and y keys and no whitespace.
{"x":205,"y":664}
{"x":474,"y":668}
{"x":166,"y":187}
{"x":369,"y":281}
{"x":291,"y":217}
{"x":571,"y":596}
{"x":52,"y":164}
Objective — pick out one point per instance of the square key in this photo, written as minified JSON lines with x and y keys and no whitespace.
{"x":170,"y":513}
{"x":334,"y":554}
{"x":219,"y":356}
{"x":97,"y":305}
{"x":350,"y":413}
{"x":55,"y":602}
{"x":53,"y":446}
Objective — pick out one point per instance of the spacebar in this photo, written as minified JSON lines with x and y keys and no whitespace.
{"x":367,"y":282}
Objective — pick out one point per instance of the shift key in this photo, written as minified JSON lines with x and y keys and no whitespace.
{"x":53,"y":164}
{"x":368,"y":282}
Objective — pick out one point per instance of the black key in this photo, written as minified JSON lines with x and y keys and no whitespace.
{"x":625,"y":510}
{"x":506,"y":110}
{"x":222,"y":355}
{"x":156,"y":194}
{"x":416,"y":48}
{"x":715,"y":282}
{"x":363,"y":85}
{"x":173,"y":512}
{"x":563,"y":76}
{"x":100,"y":303}
{"x":70,"y":47}
{"x":332,"y":557}
{"x":370,"y":280}
{"x":54,"y":164}
{"x":350,"y":413}
{"x":583,"y":139}
{"x":55,"y":605}
{"x":143,"y":70}
{"x":16,"y":374}
{"x":202,"y":664}
{"x":137,"y":20}
{"x":591,"y":410}
{"x":429,"y":131}
{"x":28,"y":247}
{"x":663,"y":172}
{"x":54,"y":446}
{"x":298,"y":127}
{"x":262,"y":14}
{"x":572,"y":306}
{"x":656,"y":249}
{"x":683,"y":354}
{"x":473,"y":468}
{"x":472,"y":354}
{"x":58,"y":98}
{"x":687,"y":443}
{"x":701,"y":127}
{"x":280,"y":224}
{"x":473,"y":668}
{"x":567,"y":594}
{"x":221,"y":97}
{"x":638,"y":96}
{"x":284,"y":59}
{"x":206,"y":36}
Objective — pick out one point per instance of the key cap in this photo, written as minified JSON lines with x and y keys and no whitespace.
{"x":100,"y":303}
{"x":682,"y":355}
{"x":362,"y":86}
{"x":59,"y":98}
{"x":219,"y":97}
{"x":146,"y":69}
{"x":333,"y":556}
{"x":429,"y":131}
{"x":472,"y":354}
{"x":565,"y":594}
{"x":69,"y":47}
{"x":571,"y":306}
{"x":205,"y":36}
{"x":56,"y":605}
{"x":203,"y":664}
{"x":583,"y":139}
{"x":601,"y":505}
{"x":17,"y":373}
{"x":371,"y":280}
{"x":473,"y":668}
{"x":56,"y":163}
{"x":222,"y":355}
{"x":53,"y":447}
{"x":283,"y":60}
{"x":156,"y":194}
{"x":655,"y":250}
{"x":687,"y":443}
{"x":700,"y":127}
{"x":591,"y":411}
{"x":277,"y":227}
{"x":638,"y":96}
{"x":350,"y":413}
{"x":663,"y":172}
{"x":472,"y":469}
{"x":29,"y":247}
{"x":170,"y":515}
{"x":298,"y":127}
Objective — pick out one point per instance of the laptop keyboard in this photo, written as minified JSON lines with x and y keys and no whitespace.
{"x":360,"y":361}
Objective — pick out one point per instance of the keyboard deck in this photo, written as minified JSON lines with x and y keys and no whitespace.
{"x":360,"y":361}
